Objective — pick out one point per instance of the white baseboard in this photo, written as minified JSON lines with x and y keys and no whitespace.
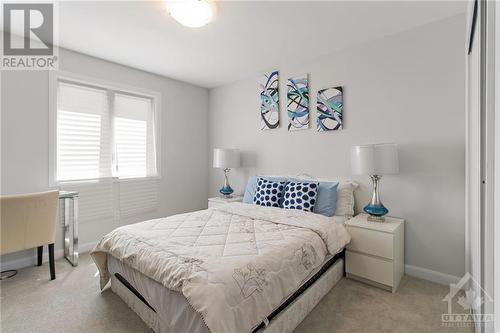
{"x":430,"y":275}
{"x":27,"y":261}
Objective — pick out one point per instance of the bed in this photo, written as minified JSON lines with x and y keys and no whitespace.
{"x":233,"y":268}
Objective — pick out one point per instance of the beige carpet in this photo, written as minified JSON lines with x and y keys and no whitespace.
{"x":30,"y":302}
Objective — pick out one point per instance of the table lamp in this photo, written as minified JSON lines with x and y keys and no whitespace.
{"x":375,"y":160}
{"x":226,"y":159}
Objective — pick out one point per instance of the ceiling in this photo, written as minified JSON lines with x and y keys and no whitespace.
{"x":246,"y":37}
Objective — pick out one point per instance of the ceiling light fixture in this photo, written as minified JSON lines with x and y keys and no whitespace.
{"x":192,"y":13}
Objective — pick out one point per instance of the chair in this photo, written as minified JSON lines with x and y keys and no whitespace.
{"x":29,"y":221}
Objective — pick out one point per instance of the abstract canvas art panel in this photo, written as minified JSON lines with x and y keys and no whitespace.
{"x":298,"y":103}
{"x":329,"y":108}
{"x":269,"y":101}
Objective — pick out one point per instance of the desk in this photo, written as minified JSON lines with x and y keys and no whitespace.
{"x":68,"y":208}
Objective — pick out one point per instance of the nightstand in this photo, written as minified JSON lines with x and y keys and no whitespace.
{"x":217,"y":201}
{"x":375,"y":254}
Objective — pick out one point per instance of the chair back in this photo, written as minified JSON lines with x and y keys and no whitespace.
{"x":27,"y":220}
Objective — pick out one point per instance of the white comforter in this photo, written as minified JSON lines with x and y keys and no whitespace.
{"x":234,"y":264}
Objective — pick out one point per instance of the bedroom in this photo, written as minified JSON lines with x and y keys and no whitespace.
{"x":138,"y":140}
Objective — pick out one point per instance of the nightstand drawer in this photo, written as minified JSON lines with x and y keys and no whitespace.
{"x":371,"y":242}
{"x":370,"y":268}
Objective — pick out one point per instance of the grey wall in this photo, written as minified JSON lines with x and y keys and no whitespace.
{"x":407,"y":88}
{"x":24,"y":137}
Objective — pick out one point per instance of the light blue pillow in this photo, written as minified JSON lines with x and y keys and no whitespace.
{"x":326,"y":200}
{"x":252,"y":187}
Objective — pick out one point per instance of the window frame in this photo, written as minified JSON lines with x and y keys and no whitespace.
{"x":111,"y":88}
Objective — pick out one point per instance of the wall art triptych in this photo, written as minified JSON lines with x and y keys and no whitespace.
{"x":329,"y":104}
{"x":329,"y":108}
{"x":297,"y":92}
{"x":269,"y":101}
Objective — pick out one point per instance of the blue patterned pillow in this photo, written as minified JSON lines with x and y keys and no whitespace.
{"x":251,"y":188}
{"x":300,"y":195}
{"x":326,"y":200}
{"x":268,"y":193}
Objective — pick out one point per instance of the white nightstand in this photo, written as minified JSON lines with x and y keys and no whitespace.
{"x":375,"y":254}
{"x":217,"y":201}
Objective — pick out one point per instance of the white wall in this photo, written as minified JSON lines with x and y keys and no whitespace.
{"x":25,"y":151}
{"x":407,"y":88}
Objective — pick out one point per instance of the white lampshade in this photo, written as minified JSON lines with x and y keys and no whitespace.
{"x":226,"y":158}
{"x":376,"y":159}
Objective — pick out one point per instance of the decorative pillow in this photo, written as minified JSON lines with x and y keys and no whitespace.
{"x":252,"y":187}
{"x":268,"y":192}
{"x":345,"y":199}
{"x":300,"y":195}
{"x":326,"y":200}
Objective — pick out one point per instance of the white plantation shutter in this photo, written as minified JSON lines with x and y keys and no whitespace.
{"x":134,"y":136}
{"x":82,"y":133}
{"x":103,"y":135}
{"x":96,"y":201}
{"x":138,"y":196}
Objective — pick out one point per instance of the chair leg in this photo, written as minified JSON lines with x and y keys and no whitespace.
{"x":40,"y":255}
{"x":51,"y":262}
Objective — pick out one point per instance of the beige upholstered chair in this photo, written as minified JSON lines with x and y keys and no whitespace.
{"x":29,"y":221}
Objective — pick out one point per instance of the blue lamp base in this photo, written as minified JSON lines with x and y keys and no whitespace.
{"x":376,"y":212}
{"x":375,"y":208}
{"x":226,"y":191}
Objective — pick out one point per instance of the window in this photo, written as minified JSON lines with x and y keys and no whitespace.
{"x":134,"y":140}
{"x":103,"y":132}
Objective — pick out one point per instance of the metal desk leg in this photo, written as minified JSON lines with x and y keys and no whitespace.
{"x":70,"y":213}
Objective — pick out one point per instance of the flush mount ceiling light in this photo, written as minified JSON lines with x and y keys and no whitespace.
{"x":192,"y":13}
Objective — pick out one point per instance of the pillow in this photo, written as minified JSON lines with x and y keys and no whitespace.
{"x":326,"y":200}
{"x":269,"y":192}
{"x":252,"y":187}
{"x":345,"y":192}
{"x":300,"y":195}
{"x":345,"y":196}
{"x":345,"y":199}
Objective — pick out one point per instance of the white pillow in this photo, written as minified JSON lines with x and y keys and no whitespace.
{"x":345,"y":199}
